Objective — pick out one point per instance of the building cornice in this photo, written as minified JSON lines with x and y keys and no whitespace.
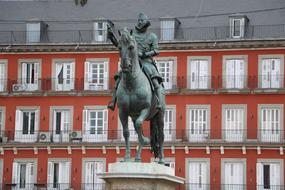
{"x":173,"y":46}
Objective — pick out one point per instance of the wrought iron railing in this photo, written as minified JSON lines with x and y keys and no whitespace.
{"x":170,"y":135}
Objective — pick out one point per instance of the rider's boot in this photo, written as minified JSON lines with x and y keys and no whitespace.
{"x":157,"y":93}
{"x":112,"y":103}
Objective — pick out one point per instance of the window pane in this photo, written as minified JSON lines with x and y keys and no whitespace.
{"x":32,"y":124}
{"x":22,"y":175}
{"x":266,"y":176}
{"x":25,"y":122}
{"x":58,"y":122}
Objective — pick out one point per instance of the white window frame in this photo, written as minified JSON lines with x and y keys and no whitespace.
{"x":261,"y":162}
{"x":88,"y":84}
{"x":37,"y":79}
{"x":67,"y":174}
{"x":1,"y":169}
{"x":226,"y":77}
{"x":198,"y":137}
{"x":86,"y":136}
{"x":101,"y":185}
{"x":170,"y":83}
{"x":3,"y":75}
{"x":19,"y":125}
{"x":68,"y":80}
{"x":15,"y":171}
{"x":262,"y":77}
{"x":201,"y":85}
{"x":237,"y":135}
{"x":225,"y":161}
{"x":100,"y":37}
{"x":241,"y":27}
{"x":2,"y":122}
{"x":64,"y":135}
{"x":264,"y":137}
{"x":34,"y":35}
{"x":206,"y":161}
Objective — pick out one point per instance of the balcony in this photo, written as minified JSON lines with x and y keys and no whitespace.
{"x":185,"y":136}
{"x":218,"y":33}
{"x":197,"y":186}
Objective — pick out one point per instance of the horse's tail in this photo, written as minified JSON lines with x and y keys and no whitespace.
{"x":154,"y":137}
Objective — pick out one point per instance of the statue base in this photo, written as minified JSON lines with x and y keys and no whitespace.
{"x":142,"y":176}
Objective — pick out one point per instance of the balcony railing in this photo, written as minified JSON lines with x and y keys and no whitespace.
{"x":179,"y":34}
{"x":237,"y":83}
{"x":201,"y":186}
{"x":170,"y":135}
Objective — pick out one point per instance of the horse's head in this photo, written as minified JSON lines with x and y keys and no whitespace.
{"x":128,"y":50}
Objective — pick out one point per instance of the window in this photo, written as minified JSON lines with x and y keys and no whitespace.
{"x":58,"y":174}
{"x":271,"y":123}
{"x":234,"y":121}
{"x":3,"y":75}
{"x":198,"y":174}
{"x":167,"y":30}
{"x":169,"y":123}
{"x":234,"y":72}
{"x":237,"y":26}
{"x":91,"y":179}
{"x":95,"y":124}
{"x":33,"y":32}
{"x":198,"y":122}
{"x":64,"y":75}
{"x":271,"y":73}
{"x":61,"y":124}
{"x":269,"y":175}
{"x":133,"y":133}
{"x":199,"y":72}
{"x":24,"y":174}
{"x":233,"y":174}
{"x":96,"y":75}
{"x":27,"y":122}
{"x":29,"y":76}
{"x":100,"y":31}
{"x":167,"y":69}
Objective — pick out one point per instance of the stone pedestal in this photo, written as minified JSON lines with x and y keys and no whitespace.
{"x":140,"y":176}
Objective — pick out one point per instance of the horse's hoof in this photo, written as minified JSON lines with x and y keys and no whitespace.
{"x":146,"y":141}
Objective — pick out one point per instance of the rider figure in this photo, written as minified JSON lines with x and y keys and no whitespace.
{"x":147,"y":43}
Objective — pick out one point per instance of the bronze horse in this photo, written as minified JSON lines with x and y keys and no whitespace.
{"x":136,"y":99}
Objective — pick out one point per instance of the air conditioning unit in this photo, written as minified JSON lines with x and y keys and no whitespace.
{"x":76,"y":135}
{"x":19,"y":87}
{"x":44,"y":137}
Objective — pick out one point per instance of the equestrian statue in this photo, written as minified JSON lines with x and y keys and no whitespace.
{"x":139,"y":91}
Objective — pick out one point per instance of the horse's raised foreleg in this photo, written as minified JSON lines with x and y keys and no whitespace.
{"x":142,"y":140}
{"x":126,"y":134}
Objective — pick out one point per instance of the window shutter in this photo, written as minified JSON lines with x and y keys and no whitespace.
{"x":275,"y":175}
{"x":88,"y":174}
{"x":203,"y":74}
{"x":259,"y":175}
{"x":24,"y":76}
{"x":18,"y":124}
{"x":96,"y":32}
{"x":2,"y":76}
{"x":105,"y":123}
{"x":104,"y":31}
{"x":36,"y":69}
{"x":85,"y":123}
{"x":50,"y":174}
{"x":86,"y":75}
{"x":30,"y":174}
{"x":194,"y":74}
{"x":67,"y":170}
{"x":98,"y":169}
{"x":15,"y":173}
{"x":72,"y":75}
{"x":106,"y":78}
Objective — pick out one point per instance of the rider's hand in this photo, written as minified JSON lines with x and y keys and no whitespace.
{"x":141,"y":55}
